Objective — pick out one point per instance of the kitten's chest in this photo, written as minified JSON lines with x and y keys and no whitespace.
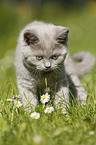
{"x":49,"y":82}
{"x":44,"y":83}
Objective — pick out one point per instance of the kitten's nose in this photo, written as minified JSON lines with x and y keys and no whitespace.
{"x":47,"y":65}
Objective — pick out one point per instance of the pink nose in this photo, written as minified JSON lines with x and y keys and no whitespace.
{"x":47,"y":65}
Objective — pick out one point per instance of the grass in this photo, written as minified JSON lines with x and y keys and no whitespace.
{"x":78,"y":126}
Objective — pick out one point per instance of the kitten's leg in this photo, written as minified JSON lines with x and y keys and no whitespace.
{"x":81,"y":94}
{"x":62,"y":97}
{"x":70,"y":70}
{"x":27,"y":96}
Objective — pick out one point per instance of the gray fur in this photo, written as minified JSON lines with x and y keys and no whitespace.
{"x":86,"y":62}
{"x":46,"y":40}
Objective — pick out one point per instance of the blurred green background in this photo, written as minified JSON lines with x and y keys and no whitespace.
{"x":78,"y":15}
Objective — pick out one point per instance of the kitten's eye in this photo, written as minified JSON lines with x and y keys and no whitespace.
{"x":54,"y":57}
{"x":39,"y":57}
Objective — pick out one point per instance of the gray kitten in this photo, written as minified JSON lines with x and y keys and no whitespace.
{"x":42,"y":52}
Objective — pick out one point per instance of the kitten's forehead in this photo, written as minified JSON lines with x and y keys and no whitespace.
{"x":43,"y":30}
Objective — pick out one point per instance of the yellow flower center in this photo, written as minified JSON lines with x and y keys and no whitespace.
{"x":48,"y":109}
{"x":9,"y":99}
{"x":35,"y":116}
{"x":44,"y":97}
{"x":17,"y":103}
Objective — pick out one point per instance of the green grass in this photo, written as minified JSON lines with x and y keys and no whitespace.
{"x":74,"y":127}
{"x":16,"y":125}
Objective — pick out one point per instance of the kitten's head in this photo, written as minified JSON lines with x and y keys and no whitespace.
{"x":44,"y":46}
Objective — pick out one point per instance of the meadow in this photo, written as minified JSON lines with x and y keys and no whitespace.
{"x":78,"y":125}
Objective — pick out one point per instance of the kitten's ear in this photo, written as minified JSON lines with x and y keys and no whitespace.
{"x":30,"y":38}
{"x":62,"y":36}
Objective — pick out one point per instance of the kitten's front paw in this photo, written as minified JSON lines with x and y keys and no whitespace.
{"x":62,"y":98}
{"x":82,"y":96}
{"x":61,"y":102}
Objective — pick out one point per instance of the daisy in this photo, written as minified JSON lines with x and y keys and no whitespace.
{"x":16,"y":97}
{"x":91,"y":132}
{"x":13,"y":97}
{"x":0,"y":115}
{"x":49,"y":110}
{"x":9,"y":99}
{"x":18,"y":104}
{"x":35,"y":115}
{"x":64,"y":111}
{"x":45,"y":98}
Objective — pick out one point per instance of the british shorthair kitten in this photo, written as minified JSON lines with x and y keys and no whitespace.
{"x":42,"y":53}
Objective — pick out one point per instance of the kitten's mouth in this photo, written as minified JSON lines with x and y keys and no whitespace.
{"x":47,"y":70}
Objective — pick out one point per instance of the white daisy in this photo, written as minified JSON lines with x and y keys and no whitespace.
{"x":9,"y":100}
{"x":45,"y":98}
{"x":0,"y":114}
{"x":18,"y":104}
{"x":35,"y":115}
{"x":64,"y":111}
{"x":49,"y":110}
{"x":16,"y":97}
{"x":91,"y":132}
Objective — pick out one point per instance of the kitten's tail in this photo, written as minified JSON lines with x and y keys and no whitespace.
{"x":85,"y":62}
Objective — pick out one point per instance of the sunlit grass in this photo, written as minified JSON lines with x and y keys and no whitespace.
{"x":77,"y":126}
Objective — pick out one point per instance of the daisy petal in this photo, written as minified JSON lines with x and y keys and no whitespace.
{"x":35,"y":115}
{"x":48,"y":110}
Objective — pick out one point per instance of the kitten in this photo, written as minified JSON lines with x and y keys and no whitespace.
{"x":42,"y":52}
